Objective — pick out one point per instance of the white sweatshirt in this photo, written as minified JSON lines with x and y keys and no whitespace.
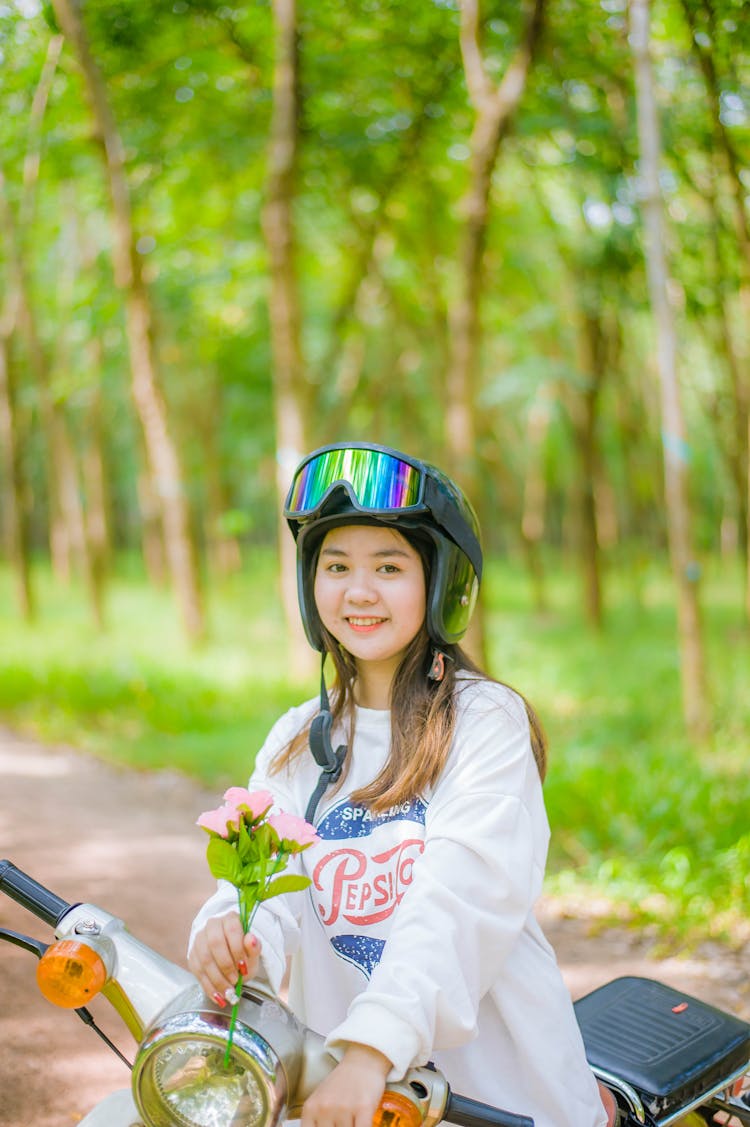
{"x":417,"y":935}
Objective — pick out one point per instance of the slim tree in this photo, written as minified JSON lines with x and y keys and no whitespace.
{"x":730,"y":163}
{"x":161,"y":449}
{"x":12,"y":484}
{"x":62,"y":468}
{"x":675,"y":448}
{"x":284,"y":308}
{"x":494,"y":106}
{"x":13,"y":495}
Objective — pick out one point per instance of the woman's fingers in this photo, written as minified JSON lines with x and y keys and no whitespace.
{"x":349,"y":1096}
{"x":221,"y":953}
{"x":251,"y":957}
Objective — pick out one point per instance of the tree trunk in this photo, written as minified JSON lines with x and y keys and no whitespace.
{"x":675,"y":448}
{"x":725,"y":146}
{"x":13,"y":508}
{"x":735,"y":451}
{"x":592,"y":363}
{"x":162,"y":452}
{"x":95,"y":479}
{"x":223,"y":549}
{"x":284,"y":310}
{"x":62,"y":472}
{"x":152,"y":531}
{"x":535,"y":496}
{"x":494,"y":108}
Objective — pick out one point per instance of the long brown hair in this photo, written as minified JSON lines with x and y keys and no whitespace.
{"x":423,"y":713}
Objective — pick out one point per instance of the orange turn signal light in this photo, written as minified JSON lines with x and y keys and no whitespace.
{"x":70,"y":973}
{"x":396,"y":1110}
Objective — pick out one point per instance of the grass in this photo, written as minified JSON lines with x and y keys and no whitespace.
{"x":137,"y":692}
{"x":640,"y":817}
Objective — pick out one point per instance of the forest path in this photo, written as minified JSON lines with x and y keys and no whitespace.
{"x":126,"y":840}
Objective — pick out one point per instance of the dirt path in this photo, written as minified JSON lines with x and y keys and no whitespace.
{"x":127,"y":841}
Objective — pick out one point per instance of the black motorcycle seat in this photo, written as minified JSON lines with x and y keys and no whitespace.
{"x":667,"y":1045}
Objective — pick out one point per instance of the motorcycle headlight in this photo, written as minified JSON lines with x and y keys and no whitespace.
{"x":183,"y":1078}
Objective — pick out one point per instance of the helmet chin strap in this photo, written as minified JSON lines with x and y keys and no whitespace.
{"x":331,"y":762}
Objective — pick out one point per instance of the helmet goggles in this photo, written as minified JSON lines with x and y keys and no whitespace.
{"x":377,"y":482}
{"x":380,"y":483}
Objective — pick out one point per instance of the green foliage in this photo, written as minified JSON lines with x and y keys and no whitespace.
{"x":224,"y":862}
{"x":385,"y":124}
{"x":638,"y":815}
{"x":137,"y":693}
{"x":289,"y":883}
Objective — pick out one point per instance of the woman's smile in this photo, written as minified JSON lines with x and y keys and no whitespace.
{"x":365,"y":624}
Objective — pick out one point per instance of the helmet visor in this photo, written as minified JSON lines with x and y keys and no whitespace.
{"x":376,"y":480}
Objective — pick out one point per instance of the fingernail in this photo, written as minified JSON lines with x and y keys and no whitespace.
{"x":242,"y":966}
{"x":231,"y":995}
{"x":219,"y":1000}
{"x":253,"y":941}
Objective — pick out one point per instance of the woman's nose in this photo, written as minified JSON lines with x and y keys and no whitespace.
{"x":361,"y":590}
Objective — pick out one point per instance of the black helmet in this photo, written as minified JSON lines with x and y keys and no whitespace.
{"x":350,"y":483}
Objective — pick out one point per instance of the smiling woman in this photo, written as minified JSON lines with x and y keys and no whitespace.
{"x":416,"y":939}
{"x":370,"y":593}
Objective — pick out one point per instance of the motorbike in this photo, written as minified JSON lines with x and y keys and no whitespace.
{"x":665,"y":1058}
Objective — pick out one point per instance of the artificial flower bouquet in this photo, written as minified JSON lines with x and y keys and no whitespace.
{"x":250,"y":847}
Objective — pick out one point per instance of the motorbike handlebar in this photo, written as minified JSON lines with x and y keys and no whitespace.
{"x":32,"y":895}
{"x":472,"y":1113}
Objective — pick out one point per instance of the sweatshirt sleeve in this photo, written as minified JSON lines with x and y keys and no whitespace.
{"x":276,"y":921}
{"x":472,"y":890}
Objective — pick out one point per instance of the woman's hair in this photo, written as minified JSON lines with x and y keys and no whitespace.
{"x":423,"y":712}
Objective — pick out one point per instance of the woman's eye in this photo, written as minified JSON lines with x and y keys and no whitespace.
{"x":337,"y":568}
{"x":390,"y":569}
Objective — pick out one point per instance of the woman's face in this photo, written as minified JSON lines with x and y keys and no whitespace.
{"x":370,"y":594}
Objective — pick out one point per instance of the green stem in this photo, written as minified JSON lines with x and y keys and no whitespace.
{"x":246,"y":918}
{"x":247,"y":914}
{"x":233,"y":1021}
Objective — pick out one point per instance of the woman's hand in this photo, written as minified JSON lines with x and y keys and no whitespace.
{"x":349,"y":1096}
{"x":221,"y":952}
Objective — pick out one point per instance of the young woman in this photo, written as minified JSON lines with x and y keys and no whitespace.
{"x":416,"y":940}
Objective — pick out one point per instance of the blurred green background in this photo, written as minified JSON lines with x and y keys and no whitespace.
{"x":229,"y":234}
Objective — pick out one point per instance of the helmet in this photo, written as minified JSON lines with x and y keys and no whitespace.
{"x":350,"y":483}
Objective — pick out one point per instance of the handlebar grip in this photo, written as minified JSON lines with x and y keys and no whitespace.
{"x":472,"y":1113}
{"x":31,"y":895}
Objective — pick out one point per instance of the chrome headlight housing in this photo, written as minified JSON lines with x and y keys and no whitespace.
{"x":180,"y":1078}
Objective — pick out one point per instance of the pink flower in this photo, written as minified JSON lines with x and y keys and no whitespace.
{"x":294,"y":833}
{"x":220,"y":820}
{"x":256,"y":803}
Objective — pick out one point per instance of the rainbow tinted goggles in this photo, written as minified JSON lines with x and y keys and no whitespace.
{"x":379,"y":482}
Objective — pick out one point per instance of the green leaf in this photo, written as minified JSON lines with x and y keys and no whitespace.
{"x":247,"y":846}
{"x":263,"y":837}
{"x":290,"y":883}
{"x":252,"y":873}
{"x":223,"y":860}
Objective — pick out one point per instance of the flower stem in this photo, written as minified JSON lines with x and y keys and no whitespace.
{"x":247,"y":913}
{"x":233,"y":1021}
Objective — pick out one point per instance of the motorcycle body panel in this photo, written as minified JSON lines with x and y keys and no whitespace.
{"x":140,"y":981}
{"x":115,"y":1110}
